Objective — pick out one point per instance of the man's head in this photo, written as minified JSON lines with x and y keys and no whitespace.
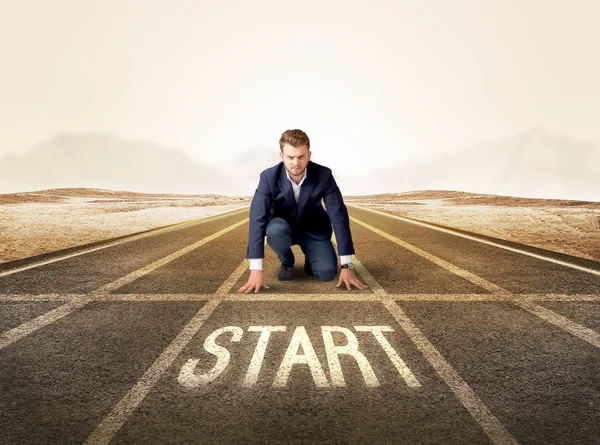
{"x":295,"y":153}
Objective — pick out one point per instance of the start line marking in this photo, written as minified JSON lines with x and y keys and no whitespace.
{"x":189,"y":379}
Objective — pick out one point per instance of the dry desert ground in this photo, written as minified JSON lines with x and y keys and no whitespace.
{"x":565,"y":226}
{"x":33,"y":223}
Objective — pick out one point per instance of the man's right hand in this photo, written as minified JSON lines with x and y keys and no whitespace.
{"x":255,"y":282}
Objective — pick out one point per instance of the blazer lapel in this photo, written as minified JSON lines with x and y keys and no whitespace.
{"x":305,"y":189}
{"x":288,"y":192}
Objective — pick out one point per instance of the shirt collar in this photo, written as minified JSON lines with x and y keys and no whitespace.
{"x":290,"y":179}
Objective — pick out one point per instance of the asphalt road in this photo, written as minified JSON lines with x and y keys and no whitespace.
{"x":458,"y":339}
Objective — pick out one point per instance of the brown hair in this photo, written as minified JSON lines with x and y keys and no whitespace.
{"x":295,"y":138}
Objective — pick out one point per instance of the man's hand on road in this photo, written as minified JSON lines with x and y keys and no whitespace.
{"x":255,"y":282}
{"x":348,"y":277}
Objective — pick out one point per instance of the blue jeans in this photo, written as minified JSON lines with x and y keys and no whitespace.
{"x":320,"y":253}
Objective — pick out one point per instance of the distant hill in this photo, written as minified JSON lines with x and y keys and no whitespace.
{"x":95,"y":195}
{"x":104,"y":161}
{"x":534,"y":164}
{"x":450,"y":197}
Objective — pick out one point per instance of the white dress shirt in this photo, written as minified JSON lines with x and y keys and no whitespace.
{"x":256,"y":263}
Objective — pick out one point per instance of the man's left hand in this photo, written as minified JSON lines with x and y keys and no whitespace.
{"x":347,"y":276}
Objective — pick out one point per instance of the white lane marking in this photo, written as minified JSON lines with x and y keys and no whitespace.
{"x":159,"y":263}
{"x":259,"y":352}
{"x":189,"y":379}
{"x":399,"y":364}
{"x":484,"y":241}
{"x":480,"y":412}
{"x":562,"y":322}
{"x":350,"y":348}
{"x":309,"y":357}
{"x":121,"y":241}
{"x":235,"y":276}
{"x":491,"y":287}
{"x":105,"y":431}
{"x":374,"y":286}
{"x":14,"y":334}
{"x":556,"y":319}
{"x":351,"y":296}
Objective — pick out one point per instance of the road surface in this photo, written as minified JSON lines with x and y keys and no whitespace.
{"x":458,"y":339}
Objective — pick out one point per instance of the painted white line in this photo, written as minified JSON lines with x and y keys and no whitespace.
{"x":105,"y":431}
{"x":121,"y":241}
{"x":234,"y":277}
{"x":491,"y":287}
{"x":484,"y":241}
{"x":300,"y":297}
{"x":556,"y":319}
{"x":374,"y":286}
{"x":39,"y":297}
{"x":563,"y":323}
{"x":480,"y":412}
{"x":129,"y":278}
{"x":12,"y":335}
{"x":350,"y":296}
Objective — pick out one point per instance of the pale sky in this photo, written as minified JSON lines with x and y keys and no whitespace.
{"x":371,"y":84}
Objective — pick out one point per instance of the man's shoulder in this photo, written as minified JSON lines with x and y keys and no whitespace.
{"x":319,"y":167}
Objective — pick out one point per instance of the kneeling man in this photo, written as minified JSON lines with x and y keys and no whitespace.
{"x":287,"y":208}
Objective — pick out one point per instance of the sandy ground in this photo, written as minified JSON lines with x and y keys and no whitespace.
{"x":570,"y":227}
{"x":30,"y":225}
{"x":35,"y":223}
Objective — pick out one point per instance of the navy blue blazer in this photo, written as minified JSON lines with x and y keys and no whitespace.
{"x":274,"y":197}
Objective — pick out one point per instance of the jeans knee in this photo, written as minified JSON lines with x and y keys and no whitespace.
{"x":326,"y":274}
{"x":277,"y":227}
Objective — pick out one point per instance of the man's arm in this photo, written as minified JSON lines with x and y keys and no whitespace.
{"x":260,"y":209}
{"x":259,"y":217}
{"x":338,"y":214}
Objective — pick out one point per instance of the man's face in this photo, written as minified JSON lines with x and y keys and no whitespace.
{"x":295,"y":159}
